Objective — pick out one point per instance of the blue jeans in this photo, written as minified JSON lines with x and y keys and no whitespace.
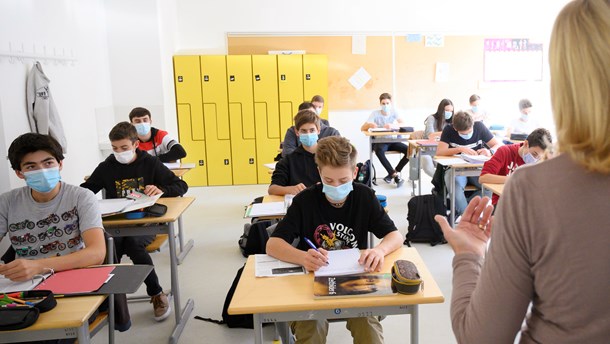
{"x":460,"y":197}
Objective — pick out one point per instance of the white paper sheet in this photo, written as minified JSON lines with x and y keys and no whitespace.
{"x":172,"y":165}
{"x":450,"y":161}
{"x":359,"y":45}
{"x":6,"y":285}
{"x":267,"y":266}
{"x":270,"y":166}
{"x":342,"y":262}
{"x":123,"y":205}
{"x":266,"y":209}
{"x":360,"y":78}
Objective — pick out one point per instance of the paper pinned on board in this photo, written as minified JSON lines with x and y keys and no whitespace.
{"x":359,"y":45}
{"x":435,"y":41}
{"x":442,"y":72}
{"x":360,"y":78}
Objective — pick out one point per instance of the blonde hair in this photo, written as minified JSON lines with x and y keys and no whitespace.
{"x":580,"y":82}
{"x":335,"y":151}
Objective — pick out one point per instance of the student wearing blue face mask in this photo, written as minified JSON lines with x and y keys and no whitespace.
{"x":525,"y":124}
{"x":336,"y":214}
{"x":509,"y":157}
{"x":47,"y":205}
{"x":155,"y":141}
{"x":291,"y":139}
{"x":476,"y":111}
{"x":388,"y":118}
{"x":468,"y":137}
{"x":297,"y":170}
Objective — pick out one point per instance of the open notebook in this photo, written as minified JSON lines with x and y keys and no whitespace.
{"x":135,"y":201}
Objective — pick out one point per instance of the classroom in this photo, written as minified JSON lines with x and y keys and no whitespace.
{"x":106,"y":57}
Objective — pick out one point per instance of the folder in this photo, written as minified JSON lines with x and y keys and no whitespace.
{"x":77,"y":281}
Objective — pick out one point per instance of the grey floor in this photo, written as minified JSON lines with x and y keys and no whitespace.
{"x":215,"y":223}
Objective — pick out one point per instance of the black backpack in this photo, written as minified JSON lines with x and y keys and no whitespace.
{"x":364,"y":173}
{"x":254,"y":239}
{"x":422,"y":226}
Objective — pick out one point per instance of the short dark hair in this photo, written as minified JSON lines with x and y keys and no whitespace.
{"x":306,"y":106}
{"x":123,"y":130}
{"x":335,"y":151}
{"x":539,"y":138}
{"x":385,"y":96}
{"x":317,"y":98}
{"x":524,"y":104}
{"x":473,"y":98}
{"x":30,"y":143}
{"x":306,"y":116}
{"x":462,"y":121}
{"x":139,"y":112}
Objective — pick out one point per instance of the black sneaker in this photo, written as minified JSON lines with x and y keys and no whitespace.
{"x":388,"y":179}
{"x":399,"y":181}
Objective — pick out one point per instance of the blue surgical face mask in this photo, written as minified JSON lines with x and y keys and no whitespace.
{"x":337,"y":193}
{"x":308,"y":139}
{"x":475,"y":108}
{"x":142,"y":128}
{"x":386,"y":108}
{"x":43,"y":180}
{"x":466,"y":136}
{"x":529,"y":159}
{"x":524,"y":117}
{"x":448,"y":114}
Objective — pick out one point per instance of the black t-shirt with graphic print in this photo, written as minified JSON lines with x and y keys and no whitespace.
{"x":480,"y":136}
{"x":312,"y":216}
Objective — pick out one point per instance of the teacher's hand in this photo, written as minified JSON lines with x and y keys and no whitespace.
{"x":473,"y":231}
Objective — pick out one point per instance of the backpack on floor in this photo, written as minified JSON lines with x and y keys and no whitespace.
{"x":420,"y":216}
{"x":364,"y":173}
{"x":254,"y":239}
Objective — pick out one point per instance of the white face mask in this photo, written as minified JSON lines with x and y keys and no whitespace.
{"x":124,"y":157}
{"x":318,"y":111}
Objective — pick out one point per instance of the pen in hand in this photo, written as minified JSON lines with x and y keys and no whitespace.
{"x":313,"y":246}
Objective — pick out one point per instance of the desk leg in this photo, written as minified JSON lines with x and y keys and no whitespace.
{"x":181,"y":316}
{"x":371,"y":160}
{"x":184,"y":249}
{"x":83,"y":334}
{"x":258,"y":329}
{"x":452,"y":188}
{"x":414,"y":324}
{"x":418,"y":152}
{"x":284,"y":332}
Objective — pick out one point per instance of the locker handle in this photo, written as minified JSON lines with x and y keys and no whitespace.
{"x":201,"y":163}
{"x":283,"y":77}
{"x":232,"y":78}
{"x":257,"y":77}
{"x":226,"y":161}
{"x":206,"y":78}
{"x":251,"y":161}
{"x":307,"y":76}
{"x":180,"y":78}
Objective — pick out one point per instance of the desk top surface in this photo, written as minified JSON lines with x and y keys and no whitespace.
{"x":440,"y":158}
{"x":495,"y":188}
{"x":69,"y":312}
{"x":295,"y":293}
{"x":386,"y":133}
{"x":175,"y":207}
{"x":423,"y":143}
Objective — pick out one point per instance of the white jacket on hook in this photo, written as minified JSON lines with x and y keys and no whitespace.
{"x":42,"y":112}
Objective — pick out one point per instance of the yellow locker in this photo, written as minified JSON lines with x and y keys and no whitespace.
{"x":315,"y":79}
{"x":266,"y":113}
{"x":190,"y":117}
{"x":290,"y":87}
{"x":241,"y":117}
{"x":216,"y":119}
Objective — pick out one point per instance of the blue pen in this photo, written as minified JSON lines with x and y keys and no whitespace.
{"x":313,"y":246}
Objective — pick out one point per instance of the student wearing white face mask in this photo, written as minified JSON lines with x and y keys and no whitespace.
{"x":525,"y":124}
{"x":318,"y":103}
{"x":388,"y":118}
{"x":509,"y":157}
{"x":130,"y":169}
{"x":155,"y":141}
{"x":476,"y":111}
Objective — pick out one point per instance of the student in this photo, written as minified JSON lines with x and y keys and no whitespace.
{"x":155,"y":141}
{"x":336,"y":214}
{"x":388,"y":118}
{"x":545,"y":276}
{"x":525,"y":124}
{"x":298,"y":170}
{"x":478,"y":114}
{"x":434,"y":125}
{"x":318,"y":103}
{"x":291,"y":139}
{"x":129,"y":169}
{"x":506,"y":160}
{"x":468,"y":137}
{"x":33,"y":216}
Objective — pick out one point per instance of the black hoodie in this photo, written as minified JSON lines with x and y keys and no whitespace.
{"x":120,"y":179}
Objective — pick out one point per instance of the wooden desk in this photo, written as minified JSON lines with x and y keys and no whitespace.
{"x":421,"y":147}
{"x":290,"y":298}
{"x":119,"y":226}
{"x":464,"y":169}
{"x":383,"y":137}
{"x":69,"y":319}
{"x":495,"y":188}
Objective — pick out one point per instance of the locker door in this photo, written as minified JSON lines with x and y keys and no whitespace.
{"x":315,"y":79}
{"x":266,"y":113}
{"x":290,"y":85}
{"x":241,"y":116}
{"x":216,"y":119}
{"x":189,"y":109}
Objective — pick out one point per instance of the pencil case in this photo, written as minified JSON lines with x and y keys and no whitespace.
{"x":405,"y":277}
{"x":15,"y":315}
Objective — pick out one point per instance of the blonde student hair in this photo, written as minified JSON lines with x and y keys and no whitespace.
{"x":336,"y":151}
{"x":580,"y":82}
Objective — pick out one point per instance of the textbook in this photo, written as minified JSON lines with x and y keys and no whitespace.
{"x":325,"y":287}
{"x":134,"y":201}
{"x":474,"y":159}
